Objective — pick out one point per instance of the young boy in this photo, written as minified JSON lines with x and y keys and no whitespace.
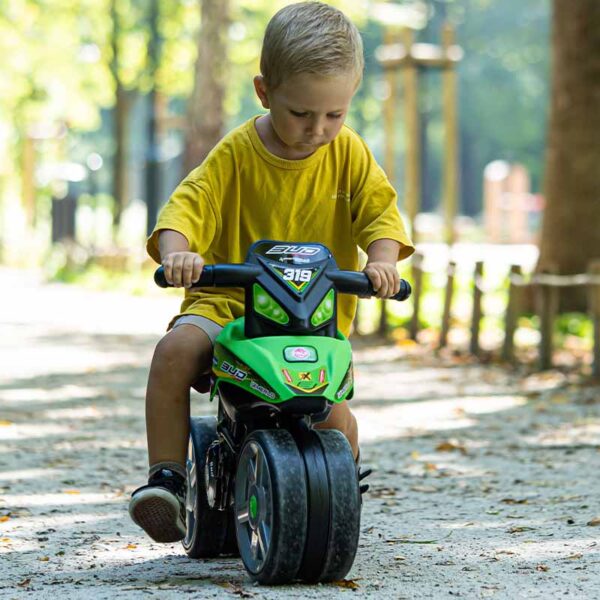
{"x":296,"y":173}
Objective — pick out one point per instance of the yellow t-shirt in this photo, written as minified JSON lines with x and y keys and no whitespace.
{"x":241,"y":193}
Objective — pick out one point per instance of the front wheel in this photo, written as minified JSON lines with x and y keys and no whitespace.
{"x":271,"y":506}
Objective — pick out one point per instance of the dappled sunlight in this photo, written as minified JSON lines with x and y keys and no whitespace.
{"x":416,"y":418}
{"x":69,"y":497}
{"x":86,"y":413}
{"x":571,"y":434}
{"x":22,"y":474}
{"x":65,"y":393}
{"x":22,"y":431}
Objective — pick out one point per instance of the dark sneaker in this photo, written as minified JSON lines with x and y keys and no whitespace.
{"x":159,"y":507}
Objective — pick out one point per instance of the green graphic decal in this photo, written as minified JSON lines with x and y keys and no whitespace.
{"x":267,"y":307}
{"x":324,"y":311}
{"x":307,"y":382}
{"x":227,"y":367}
{"x":346,"y":386}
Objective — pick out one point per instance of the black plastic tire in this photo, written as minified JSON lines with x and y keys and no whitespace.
{"x":271,"y":506}
{"x":344,"y":506}
{"x":206,"y":527}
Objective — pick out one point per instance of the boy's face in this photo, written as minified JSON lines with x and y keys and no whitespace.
{"x":306,"y":111}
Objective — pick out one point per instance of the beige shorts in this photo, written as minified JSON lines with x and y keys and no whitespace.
{"x":209,"y":327}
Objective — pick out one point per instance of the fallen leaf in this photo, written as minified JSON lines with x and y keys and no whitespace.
{"x":520,"y":529}
{"x":4,"y":519}
{"x":236,"y":589}
{"x":131,"y":547}
{"x":514,"y":501}
{"x":399,"y":557}
{"x":44,"y":558}
{"x":5,"y":540}
{"x":451,"y":446}
{"x":542,"y":567}
{"x":425,"y":489}
{"x":349,"y":584}
{"x":24,"y":583}
{"x":594,"y":522}
{"x":575,"y":556}
{"x":72,"y":492}
{"x":5,"y":423}
{"x":430,"y":467}
{"x":414,"y":454}
{"x":408,"y":541}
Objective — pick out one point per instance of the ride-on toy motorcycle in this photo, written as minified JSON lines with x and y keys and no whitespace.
{"x":259,"y":477}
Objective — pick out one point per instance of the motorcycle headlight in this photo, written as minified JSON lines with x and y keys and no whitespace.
{"x":267,"y":307}
{"x":324,"y":312}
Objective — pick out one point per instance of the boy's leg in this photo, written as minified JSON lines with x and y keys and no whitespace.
{"x":342,"y":419}
{"x":180,"y":357}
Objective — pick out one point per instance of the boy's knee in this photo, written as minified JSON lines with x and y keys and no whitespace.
{"x":185,"y":349}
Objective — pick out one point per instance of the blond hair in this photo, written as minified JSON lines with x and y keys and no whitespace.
{"x":310,"y":37}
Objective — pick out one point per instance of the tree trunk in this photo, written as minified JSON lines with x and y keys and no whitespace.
{"x":120,"y":121}
{"x":571,"y":226}
{"x":204,"y":126}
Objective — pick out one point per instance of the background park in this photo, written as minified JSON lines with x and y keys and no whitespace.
{"x":477,"y":400}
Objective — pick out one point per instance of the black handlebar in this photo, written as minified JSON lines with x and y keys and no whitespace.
{"x":240,"y":275}
{"x":356,"y":282}
{"x":234,"y":275}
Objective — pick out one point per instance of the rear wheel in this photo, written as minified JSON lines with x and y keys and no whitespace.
{"x":270,"y":506}
{"x":344,"y":505}
{"x":206,"y":527}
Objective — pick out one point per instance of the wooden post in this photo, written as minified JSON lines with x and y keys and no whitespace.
{"x":417,"y":288}
{"x":511,"y":315}
{"x":547,"y":306}
{"x":412,"y":190}
{"x":476,"y":314}
{"x":447,"y":304}
{"x":450,"y":176}
{"x":389,"y":114}
{"x":594,"y":310}
{"x":383,"y":319}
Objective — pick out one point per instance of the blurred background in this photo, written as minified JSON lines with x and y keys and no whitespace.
{"x":484,"y":114}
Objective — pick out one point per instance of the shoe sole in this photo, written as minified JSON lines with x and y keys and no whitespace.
{"x":156,"y":511}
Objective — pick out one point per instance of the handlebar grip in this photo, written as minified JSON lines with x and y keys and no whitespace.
{"x":206,"y":277}
{"x":232,"y":275}
{"x":354,"y":282}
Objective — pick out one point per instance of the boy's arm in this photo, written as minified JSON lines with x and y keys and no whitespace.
{"x":182,"y":267}
{"x":381,"y":267}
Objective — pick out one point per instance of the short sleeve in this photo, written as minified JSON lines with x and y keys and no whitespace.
{"x":189,"y":211}
{"x":375,"y":214}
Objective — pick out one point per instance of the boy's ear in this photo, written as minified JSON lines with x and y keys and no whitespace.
{"x":261,"y":90}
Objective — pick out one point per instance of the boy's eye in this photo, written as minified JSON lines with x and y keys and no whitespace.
{"x":299,"y":114}
{"x":335,"y":116}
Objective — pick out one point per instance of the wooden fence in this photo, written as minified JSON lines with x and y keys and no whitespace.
{"x":546,"y":292}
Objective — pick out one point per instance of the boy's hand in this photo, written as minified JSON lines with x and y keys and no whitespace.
{"x":384,"y":277}
{"x":182,"y":268}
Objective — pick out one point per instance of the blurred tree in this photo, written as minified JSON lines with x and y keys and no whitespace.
{"x":571,"y":224}
{"x":205,"y":112}
{"x":123,"y":101}
{"x":502,"y":89}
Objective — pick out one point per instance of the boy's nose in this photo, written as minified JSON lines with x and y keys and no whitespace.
{"x":317,"y":127}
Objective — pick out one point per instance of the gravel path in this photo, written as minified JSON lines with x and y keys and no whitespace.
{"x":486,"y":482}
